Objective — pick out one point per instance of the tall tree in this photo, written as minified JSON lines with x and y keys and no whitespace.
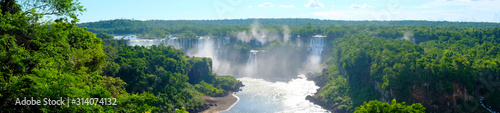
{"x":60,"y":8}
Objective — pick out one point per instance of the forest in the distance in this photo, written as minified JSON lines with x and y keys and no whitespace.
{"x":368,"y":65}
{"x":227,"y":28}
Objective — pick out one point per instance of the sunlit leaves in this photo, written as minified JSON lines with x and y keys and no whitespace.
{"x":60,"y":8}
{"x":394,"y":107}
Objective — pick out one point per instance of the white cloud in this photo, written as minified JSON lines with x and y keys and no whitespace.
{"x":267,"y":4}
{"x":478,"y":5}
{"x":361,"y":14}
{"x":250,"y":6}
{"x":465,"y":0}
{"x":287,"y":6}
{"x":361,"y":6}
{"x":331,"y":14}
{"x":496,"y":16}
{"x":461,"y":10}
{"x":314,"y":4}
{"x":455,"y":10}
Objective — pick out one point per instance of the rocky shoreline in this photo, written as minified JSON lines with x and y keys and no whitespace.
{"x":328,"y":106}
{"x":218,"y":104}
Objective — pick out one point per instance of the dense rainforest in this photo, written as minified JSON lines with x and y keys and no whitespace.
{"x":431,"y":66}
{"x":443,"y":68}
{"x":56,"y":59}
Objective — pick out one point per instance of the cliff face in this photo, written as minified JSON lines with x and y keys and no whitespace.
{"x":433,"y":96}
{"x":435,"y":100}
{"x":440,"y":101}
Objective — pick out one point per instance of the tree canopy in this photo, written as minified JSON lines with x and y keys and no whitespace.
{"x":394,"y":107}
{"x":59,"y":8}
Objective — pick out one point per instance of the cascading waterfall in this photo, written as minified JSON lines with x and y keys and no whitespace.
{"x":145,"y":42}
{"x":316,"y":47}
{"x":210,"y":47}
{"x":252,"y":60}
{"x":221,"y":53}
{"x":215,"y":49}
{"x":200,"y":42}
{"x":173,"y":42}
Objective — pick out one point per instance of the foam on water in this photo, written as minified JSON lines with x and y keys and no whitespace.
{"x":261,"y":96}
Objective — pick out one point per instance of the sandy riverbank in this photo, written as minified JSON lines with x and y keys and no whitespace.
{"x":218,"y":104}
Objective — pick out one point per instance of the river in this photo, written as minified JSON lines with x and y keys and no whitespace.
{"x":261,"y":96}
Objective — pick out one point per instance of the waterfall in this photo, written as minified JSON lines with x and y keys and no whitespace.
{"x":487,"y":107}
{"x":252,"y":61}
{"x":200,"y":43}
{"x":145,"y":42}
{"x":204,"y":48}
{"x":208,"y":47}
{"x":173,"y":42}
{"x":220,"y":52}
{"x":316,"y":47}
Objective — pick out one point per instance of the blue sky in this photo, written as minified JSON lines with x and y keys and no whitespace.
{"x":450,"y":10}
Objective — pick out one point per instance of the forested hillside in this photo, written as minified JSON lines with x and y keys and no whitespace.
{"x":442,"y":68}
{"x":56,"y":59}
{"x":175,"y":79}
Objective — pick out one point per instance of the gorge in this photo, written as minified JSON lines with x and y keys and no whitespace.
{"x":273,"y":81}
{"x":351,"y":64}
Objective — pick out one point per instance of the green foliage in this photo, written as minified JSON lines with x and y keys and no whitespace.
{"x":157,"y":69}
{"x":183,"y":110}
{"x":200,"y":70}
{"x":153,"y":34}
{"x":208,"y":89}
{"x":188,"y":34}
{"x":375,"y":106}
{"x":54,"y":60}
{"x":207,"y":82}
{"x":218,"y":86}
{"x":226,"y":82}
{"x":336,"y":90}
{"x":61,"y":8}
{"x":104,"y":36}
{"x":165,"y":72}
{"x":59,"y":60}
{"x":135,"y":102}
{"x":438,"y":59}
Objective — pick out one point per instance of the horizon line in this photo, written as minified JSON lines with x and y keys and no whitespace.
{"x":133,"y":19}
